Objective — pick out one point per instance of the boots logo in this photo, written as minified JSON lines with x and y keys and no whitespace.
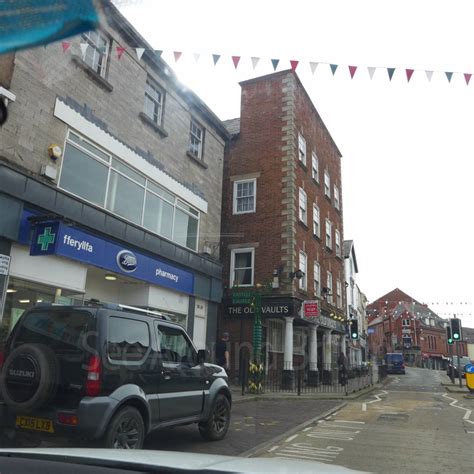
{"x":127,"y":261}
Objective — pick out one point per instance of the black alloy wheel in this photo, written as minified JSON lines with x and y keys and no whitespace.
{"x":215,"y":428}
{"x":126,"y":430}
{"x":220,"y":417}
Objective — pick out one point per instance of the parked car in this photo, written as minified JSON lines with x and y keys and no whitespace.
{"x":107,"y":374}
{"x":395,"y":363}
{"x":453,"y":366}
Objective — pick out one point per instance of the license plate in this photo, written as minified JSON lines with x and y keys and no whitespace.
{"x":36,"y":424}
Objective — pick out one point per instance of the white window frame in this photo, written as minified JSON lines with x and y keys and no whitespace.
{"x":303,"y":206}
{"x":328,"y":233}
{"x":232,"y":264}
{"x":200,"y":148}
{"x":93,"y":46}
{"x":329,"y":286}
{"x":235,"y":198}
{"x":337,"y":240}
{"x":338,"y":293}
{"x":317,"y":278}
{"x":315,"y":166}
{"x":327,"y":184}
{"x":303,"y":266}
{"x":316,"y":221}
{"x":158,"y":103}
{"x":301,"y":148}
{"x":337,"y":202}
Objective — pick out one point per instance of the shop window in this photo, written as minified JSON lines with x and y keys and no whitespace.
{"x":276,"y":335}
{"x":242,"y":267}
{"x":298,"y":341}
{"x":127,"y":339}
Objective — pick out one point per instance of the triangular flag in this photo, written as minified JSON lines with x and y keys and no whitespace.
{"x":449,"y":75}
{"x":158,"y":53}
{"x":84,"y":47}
{"x":215,"y":58}
{"x":177,"y":55}
{"x":66,"y":45}
{"x":275,"y":63}
{"x":235,"y":60}
{"x":390,"y":71}
{"x":467,"y":77}
{"x":429,"y":75}
{"x":371,"y":72}
{"x":409,"y":73}
{"x":294,"y":64}
{"x":196,"y":56}
{"x":120,"y":50}
{"x":352,"y":70}
{"x":333,"y":68}
{"x":313,"y":67}
{"x":140,"y":52}
{"x":255,"y":62}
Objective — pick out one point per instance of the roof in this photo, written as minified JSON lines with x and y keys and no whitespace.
{"x":468,"y":335}
{"x":232,"y":126}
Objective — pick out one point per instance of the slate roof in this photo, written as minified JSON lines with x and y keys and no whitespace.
{"x":232,"y":126}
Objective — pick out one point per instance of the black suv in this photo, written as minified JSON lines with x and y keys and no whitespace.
{"x":107,"y":374}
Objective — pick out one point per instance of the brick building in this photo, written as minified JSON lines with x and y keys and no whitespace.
{"x":399,"y":323}
{"x":136,"y":174}
{"x":282,"y":224}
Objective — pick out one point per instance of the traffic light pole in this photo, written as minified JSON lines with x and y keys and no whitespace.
{"x":459,"y":364}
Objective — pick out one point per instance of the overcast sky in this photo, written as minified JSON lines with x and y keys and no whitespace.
{"x":408,"y":148}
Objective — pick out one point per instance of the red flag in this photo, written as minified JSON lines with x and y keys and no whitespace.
{"x":120,"y":50}
{"x":294,"y":64}
{"x":177,"y":55}
{"x":235,"y":60}
{"x":409,"y":73}
{"x":66,"y":45}
{"x":467,"y":77}
{"x":352,"y":70}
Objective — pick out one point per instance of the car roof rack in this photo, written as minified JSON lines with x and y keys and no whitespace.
{"x":134,"y":309}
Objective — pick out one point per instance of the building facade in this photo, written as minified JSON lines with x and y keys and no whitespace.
{"x":282,"y":229}
{"x":110,"y":181}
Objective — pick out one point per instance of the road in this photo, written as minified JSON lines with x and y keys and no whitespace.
{"x":412,"y":425}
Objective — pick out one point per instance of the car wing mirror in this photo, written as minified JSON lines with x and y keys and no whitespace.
{"x":202,"y":356}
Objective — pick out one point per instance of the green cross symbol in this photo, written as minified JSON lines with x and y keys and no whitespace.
{"x":46,"y":238}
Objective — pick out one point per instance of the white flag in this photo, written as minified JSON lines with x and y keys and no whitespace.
{"x":196,"y":56}
{"x":255,"y":62}
{"x":84,"y":49}
{"x":140,"y":52}
{"x":313,"y":67}
{"x":429,"y":75}
{"x":371,"y":72}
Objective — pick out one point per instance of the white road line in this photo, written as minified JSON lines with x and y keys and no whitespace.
{"x":454,"y":402}
{"x":378,"y":399}
{"x":291,"y":438}
{"x":307,"y":429}
{"x":273,"y":448}
{"x":347,"y":421}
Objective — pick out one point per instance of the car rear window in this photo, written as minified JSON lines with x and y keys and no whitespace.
{"x":394,"y":357}
{"x":63,"y":331}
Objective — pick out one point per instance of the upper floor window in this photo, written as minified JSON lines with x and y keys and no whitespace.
{"x":153,"y":102}
{"x":96,"y":52}
{"x":405,"y":322}
{"x":339,"y":294}
{"x":196,"y":140}
{"x":99,"y":177}
{"x":329,"y":287}
{"x":337,"y":202}
{"x":242,"y":263}
{"x":302,"y":282}
{"x":302,"y":206}
{"x":337,"y":236}
{"x":302,"y":149}
{"x":316,"y":221}
{"x":244,"y":196}
{"x":328,"y":234}
{"x":317,"y":279}
{"x":315,"y":166}
{"x":327,"y":184}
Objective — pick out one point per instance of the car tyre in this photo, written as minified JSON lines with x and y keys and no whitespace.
{"x":126,"y":430}
{"x":215,"y":428}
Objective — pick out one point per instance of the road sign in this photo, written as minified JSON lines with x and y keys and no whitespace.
{"x":311,"y":309}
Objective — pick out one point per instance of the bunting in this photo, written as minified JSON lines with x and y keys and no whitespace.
{"x":294,"y":63}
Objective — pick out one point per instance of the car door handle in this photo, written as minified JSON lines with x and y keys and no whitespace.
{"x":166,"y":374}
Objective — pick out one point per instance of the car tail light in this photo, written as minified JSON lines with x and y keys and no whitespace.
{"x":68,"y":419}
{"x":93,"y":382}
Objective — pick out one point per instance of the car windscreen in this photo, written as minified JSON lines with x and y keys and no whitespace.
{"x":63,"y":331}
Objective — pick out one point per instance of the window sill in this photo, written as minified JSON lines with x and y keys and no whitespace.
{"x":92,"y":74}
{"x":302,"y":165}
{"x":327,"y":197}
{"x":302,"y":224}
{"x":315,"y":181}
{"x":196,"y":160}
{"x":315,"y":237}
{"x":148,"y":121}
{"x":328,"y":249}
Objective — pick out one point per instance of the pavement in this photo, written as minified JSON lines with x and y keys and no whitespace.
{"x":410,"y":425}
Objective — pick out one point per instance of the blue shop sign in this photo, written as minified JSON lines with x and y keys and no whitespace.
{"x":57,"y":238}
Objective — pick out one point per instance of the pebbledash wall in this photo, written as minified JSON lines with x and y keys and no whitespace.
{"x":167,"y":155}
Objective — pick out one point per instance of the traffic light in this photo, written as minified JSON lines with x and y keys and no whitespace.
{"x":354,"y":329}
{"x":449,"y":338}
{"x":456,"y":329}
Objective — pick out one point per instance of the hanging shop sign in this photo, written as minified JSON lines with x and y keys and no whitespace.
{"x":311,"y":309}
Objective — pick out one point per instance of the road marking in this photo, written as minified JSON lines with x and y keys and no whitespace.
{"x":308,"y":451}
{"x":307,"y":429}
{"x":454,"y":402}
{"x":273,"y":448}
{"x":291,"y":438}
{"x":378,"y":399}
{"x":347,"y":421}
